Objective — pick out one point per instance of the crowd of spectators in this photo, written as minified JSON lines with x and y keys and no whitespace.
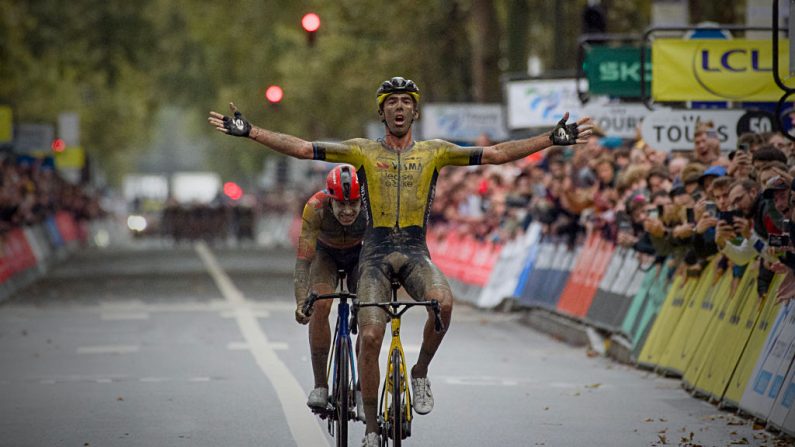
{"x":31,"y":191}
{"x":682,"y":207}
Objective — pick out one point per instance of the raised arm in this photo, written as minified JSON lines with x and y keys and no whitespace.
{"x":238,"y":126}
{"x":562,"y":134}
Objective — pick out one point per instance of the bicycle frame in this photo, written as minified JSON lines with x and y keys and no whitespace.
{"x":340,"y":393}
{"x":396,"y":345}
{"x":342,"y":334}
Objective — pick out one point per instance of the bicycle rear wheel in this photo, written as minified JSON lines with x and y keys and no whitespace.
{"x":342,"y":393}
{"x":396,"y":429}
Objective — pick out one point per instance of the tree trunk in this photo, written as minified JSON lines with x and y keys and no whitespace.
{"x":518,"y":32}
{"x":485,"y":52}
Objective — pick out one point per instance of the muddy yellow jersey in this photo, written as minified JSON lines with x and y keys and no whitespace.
{"x":397,"y":186}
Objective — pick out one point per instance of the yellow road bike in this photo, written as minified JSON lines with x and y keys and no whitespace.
{"x":396,"y":411}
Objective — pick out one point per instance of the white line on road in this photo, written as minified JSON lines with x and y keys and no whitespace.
{"x":303,"y":425}
{"x":108,"y":349}
{"x":121,"y":316}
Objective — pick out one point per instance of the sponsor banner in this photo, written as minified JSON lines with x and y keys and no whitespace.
{"x":6,"y":125}
{"x":668,"y":130}
{"x":70,"y":158}
{"x":463,"y":122}
{"x":31,"y":138}
{"x":617,"y":120}
{"x":615,"y":71}
{"x":716,"y":70}
{"x":542,"y":102}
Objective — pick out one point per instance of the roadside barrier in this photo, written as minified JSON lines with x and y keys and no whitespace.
{"x":27,"y":253}
{"x":710,"y":329}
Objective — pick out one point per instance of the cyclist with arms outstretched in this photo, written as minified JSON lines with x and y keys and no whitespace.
{"x":332,"y":229}
{"x":398,"y":176}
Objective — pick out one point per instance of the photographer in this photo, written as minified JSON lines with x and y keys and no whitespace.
{"x":631,"y":232}
{"x":707,"y":212}
{"x":735,"y":234}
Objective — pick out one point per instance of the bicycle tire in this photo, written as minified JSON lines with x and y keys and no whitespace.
{"x":396,"y":429}
{"x":342,"y":394}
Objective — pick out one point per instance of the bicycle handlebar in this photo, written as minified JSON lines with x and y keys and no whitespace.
{"x":310,"y":301}
{"x":391,"y":308}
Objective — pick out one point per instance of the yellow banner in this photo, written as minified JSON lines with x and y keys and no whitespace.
{"x":73,"y":157}
{"x":6,"y":125}
{"x":717,"y":70}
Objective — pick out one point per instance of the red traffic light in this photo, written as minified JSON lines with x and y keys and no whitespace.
{"x":233,"y":191}
{"x":274,"y":94}
{"x":310,"y":22}
{"x":58,"y":145}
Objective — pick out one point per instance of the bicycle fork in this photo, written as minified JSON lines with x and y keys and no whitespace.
{"x":396,"y":345}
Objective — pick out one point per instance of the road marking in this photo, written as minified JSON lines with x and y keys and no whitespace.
{"x":303,"y":425}
{"x":108,"y":349}
{"x":120,"y":316}
{"x":199,"y":379}
{"x":257,"y":313}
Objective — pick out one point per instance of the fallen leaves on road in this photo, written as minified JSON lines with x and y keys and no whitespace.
{"x":593,"y":386}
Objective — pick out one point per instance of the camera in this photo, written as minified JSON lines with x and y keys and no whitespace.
{"x":778,"y":240}
{"x":711,"y":209}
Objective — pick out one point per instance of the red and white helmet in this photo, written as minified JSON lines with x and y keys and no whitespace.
{"x":342,"y":183}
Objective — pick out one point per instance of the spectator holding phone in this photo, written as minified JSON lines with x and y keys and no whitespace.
{"x":707,"y":214}
{"x":734,"y":233}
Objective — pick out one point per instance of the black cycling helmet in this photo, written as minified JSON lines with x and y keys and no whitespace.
{"x":397,"y":85}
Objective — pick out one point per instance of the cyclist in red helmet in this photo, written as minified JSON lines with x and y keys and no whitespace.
{"x":399,"y":175}
{"x":331,"y":237}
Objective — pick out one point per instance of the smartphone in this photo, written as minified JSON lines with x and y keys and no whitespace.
{"x":710,"y":208}
{"x":660,"y":211}
{"x":691,"y":216}
{"x":654,"y":213}
{"x":778,"y":240}
{"x":744,"y":147}
{"x":727,"y":216}
{"x":624,"y":222}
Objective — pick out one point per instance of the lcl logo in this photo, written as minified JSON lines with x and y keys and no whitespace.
{"x":734,"y":73}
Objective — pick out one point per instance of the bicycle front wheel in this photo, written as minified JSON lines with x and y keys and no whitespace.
{"x":396,"y":429}
{"x":342,"y":392}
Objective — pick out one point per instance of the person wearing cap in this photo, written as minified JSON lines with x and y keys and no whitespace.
{"x":709,"y":175}
{"x":398,"y":176}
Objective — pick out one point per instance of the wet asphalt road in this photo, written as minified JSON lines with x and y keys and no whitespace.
{"x":156,"y":345}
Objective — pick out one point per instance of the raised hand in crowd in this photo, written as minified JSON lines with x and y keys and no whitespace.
{"x":724,"y":232}
{"x":626,"y":239}
{"x":706,"y":222}
{"x":654,"y":227}
{"x":742,"y":227}
{"x":740,"y":166}
{"x":683,"y":231}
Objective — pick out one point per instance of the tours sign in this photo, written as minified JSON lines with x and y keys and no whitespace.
{"x":716,"y":70}
{"x":617,"y":120}
{"x":616,"y":71}
{"x":669,"y":130}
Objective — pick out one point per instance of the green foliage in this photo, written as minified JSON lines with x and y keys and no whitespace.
{"x":120,"y":63}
